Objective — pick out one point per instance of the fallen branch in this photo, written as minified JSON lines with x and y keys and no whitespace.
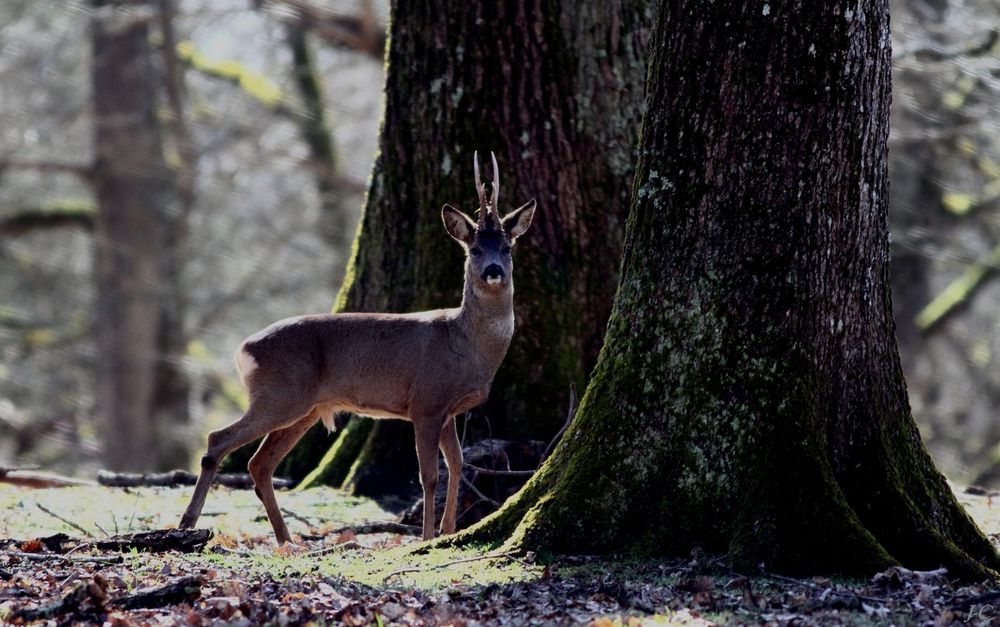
{"x":815,"y":586}
{"x":68,"y":214}
{"x":50,"y":557}
{"x":492,"y":556}
{"x":31,"y":479}
{"x":179,"y":591}
{"x":381,"y":527}
{"x":176,"y":478}
{"x":84,"y":171}
{"x":158,"y":541}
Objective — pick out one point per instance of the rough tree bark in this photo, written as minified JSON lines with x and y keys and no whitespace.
{"x":135,"y":231}
{"x":749,"y":398}
{"x":555,"y":89}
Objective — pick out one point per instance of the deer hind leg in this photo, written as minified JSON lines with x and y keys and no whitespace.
{"x":261,"y":418}
{"x":272,"y":450}
{"x":452,"y":450}
{"x":428,"y":434}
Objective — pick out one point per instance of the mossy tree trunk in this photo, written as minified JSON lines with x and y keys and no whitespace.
{"x":555,"y":90}
{"x":748,"y":399}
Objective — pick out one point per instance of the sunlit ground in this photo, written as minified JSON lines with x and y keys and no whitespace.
{"x":238,"y":520}
{"x":380,"y":579}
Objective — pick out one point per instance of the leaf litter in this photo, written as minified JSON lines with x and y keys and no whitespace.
{"x":339,"y":577}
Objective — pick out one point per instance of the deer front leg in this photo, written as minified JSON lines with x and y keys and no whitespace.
{"x":452,"y":450}
{"x":427,"y":434}
{"x":270,"y":453}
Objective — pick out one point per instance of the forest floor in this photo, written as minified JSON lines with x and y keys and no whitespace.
{"x":240,"y":579}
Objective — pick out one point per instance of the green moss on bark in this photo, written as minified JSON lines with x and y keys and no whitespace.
{"x":333,"y":469}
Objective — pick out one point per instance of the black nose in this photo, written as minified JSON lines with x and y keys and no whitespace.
{"x":493,"y":271}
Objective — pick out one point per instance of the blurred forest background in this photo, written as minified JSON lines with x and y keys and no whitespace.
{"x":179,"y":174}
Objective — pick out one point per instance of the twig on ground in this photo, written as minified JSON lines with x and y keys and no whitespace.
{"x":240,"y":552}
{"x":302,"y":519}
{"x":68,"y":522}
{"x":816,"y":586}
{"x":174,"y":478}
{"x":492,"y":556}
{"x":350,"y":545}
{"x":132,"y":518}
{"x":569,"y":419}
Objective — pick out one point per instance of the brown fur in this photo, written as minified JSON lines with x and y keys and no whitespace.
{"x":423,"y":367}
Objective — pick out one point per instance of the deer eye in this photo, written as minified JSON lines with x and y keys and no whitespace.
{"x":506,"y":250}
{"x":476,"y":251}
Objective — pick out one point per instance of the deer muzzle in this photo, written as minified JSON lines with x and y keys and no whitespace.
{"x":493,"y":274}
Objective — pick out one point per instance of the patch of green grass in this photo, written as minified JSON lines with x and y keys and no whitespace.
{"x":101,"y":510}
{"x":432,"y":571}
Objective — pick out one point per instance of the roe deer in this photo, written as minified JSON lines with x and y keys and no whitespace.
{"x":424,"y":367}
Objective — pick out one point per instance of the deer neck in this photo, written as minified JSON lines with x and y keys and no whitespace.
{"x":487,"y":321}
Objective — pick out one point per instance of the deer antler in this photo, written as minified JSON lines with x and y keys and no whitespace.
{"x":481,"y":190}
{"x":486,"y":207}
{"x":496,"y":186}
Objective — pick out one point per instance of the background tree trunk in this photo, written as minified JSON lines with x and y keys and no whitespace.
{"x":555,"y":91}
{"x":749,"y":398}
{"x":333,"y":222}
{"x":138,"y":313}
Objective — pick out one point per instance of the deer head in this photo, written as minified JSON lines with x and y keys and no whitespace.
{"x":489,"y":241}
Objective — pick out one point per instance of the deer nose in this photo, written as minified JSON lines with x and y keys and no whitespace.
{"x":493,"y":273}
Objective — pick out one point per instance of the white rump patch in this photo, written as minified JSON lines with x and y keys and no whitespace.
{"x":246,"y":364}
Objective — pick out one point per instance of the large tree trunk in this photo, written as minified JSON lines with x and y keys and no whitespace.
{"x":556,"y":92}
{"x":749,"y":398}
{"x":136,"y":277}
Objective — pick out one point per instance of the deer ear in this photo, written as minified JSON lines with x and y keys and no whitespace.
{"x":517,"y":221}
{"x":458,"y":225}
